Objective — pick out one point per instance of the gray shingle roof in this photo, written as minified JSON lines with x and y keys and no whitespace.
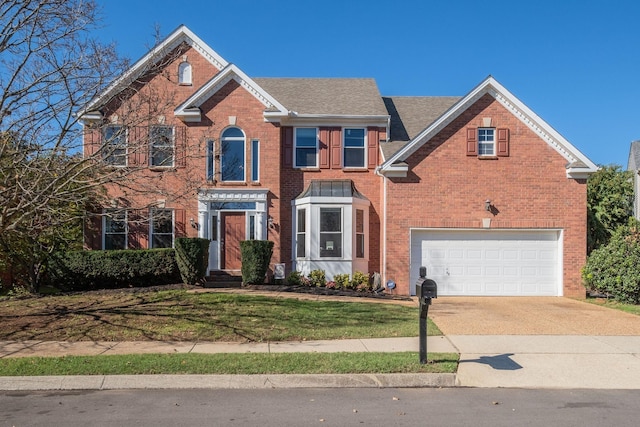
{"x":329,"y":96}
{"x":410,"y":115}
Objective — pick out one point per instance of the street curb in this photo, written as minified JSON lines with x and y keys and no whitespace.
{"x":229,"y":382}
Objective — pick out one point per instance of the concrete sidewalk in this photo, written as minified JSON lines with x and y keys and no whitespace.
{"x":521,"y":361}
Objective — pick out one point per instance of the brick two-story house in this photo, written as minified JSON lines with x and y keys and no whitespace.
{"x":479,"y":189}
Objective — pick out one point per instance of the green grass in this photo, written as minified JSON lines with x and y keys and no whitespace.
{"x":628,"y":308}
{"x":234,"y":363}
{"x":178,"y":315}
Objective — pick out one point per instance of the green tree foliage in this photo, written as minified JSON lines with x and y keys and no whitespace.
{"x":613,"y":269}
{"x":609,"y":203}
{"x":50,"y":66}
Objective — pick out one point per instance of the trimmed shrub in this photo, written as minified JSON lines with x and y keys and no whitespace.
{"x":86,"y":270}
{"x":317,"y":278}
{"x":294,"y":278}
{"x":360,"y":281}
{"x":614,"y":269}
{"x":342,"y":281}
{"x":192,"y":258}
{"x":256,"y":256}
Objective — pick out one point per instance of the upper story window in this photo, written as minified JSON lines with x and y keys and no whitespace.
{"x":232,"y":155}
{"x":114,"y":229}
{"x":184,"y":73}
{"x":162,"y":145}
{"x":161,"y":228}
{"x":306,"y":147}
{"x":114,"y":146}
{"x":255,"y":160}
{"x":354,"y":148}
{"x":486,"y":142}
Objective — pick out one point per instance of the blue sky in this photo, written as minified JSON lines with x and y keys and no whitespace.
{"x":575,"y":63}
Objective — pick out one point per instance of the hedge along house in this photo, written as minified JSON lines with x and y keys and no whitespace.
{"x":478,"y":189}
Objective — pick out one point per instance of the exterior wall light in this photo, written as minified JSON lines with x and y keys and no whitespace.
{"x":487,"y":205}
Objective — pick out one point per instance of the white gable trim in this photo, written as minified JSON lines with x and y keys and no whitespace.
{"x":181,"y":35}
{"x":518,"y":109}
{"x":185,"y":111}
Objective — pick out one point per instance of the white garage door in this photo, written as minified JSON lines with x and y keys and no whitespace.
{"x":488,"y":262}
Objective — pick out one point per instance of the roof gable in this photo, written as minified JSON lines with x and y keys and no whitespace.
{"x":578,"y":165}
{"x":189,"y":110}
{"x":180,"y":35}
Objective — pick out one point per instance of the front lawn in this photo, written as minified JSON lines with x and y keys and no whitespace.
{"x":178,"y":315}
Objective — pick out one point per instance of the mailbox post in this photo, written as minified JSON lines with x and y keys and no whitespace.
{"x":426,"y":289}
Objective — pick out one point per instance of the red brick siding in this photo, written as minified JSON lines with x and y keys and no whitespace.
{"x":446,"y":188}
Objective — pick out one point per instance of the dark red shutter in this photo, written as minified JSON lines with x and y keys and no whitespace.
{"x":139,"y":145}
{"x":180,"y":133}
{"x":336,"y":148}
{"x":373,"y":137}
{"x":472,"y":142}
{"x":287,"y":145}
{"x":503,"y":142}
{"x":323,"y":147}
{"x":180,"y":221}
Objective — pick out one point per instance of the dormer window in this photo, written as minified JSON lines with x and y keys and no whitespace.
{"x":184,"y":73}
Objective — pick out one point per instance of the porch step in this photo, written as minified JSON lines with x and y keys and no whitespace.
{"x":223,"y":279}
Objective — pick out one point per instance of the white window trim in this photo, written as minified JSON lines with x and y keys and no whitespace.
{"x":107,"y":212}
{"x":125,"y":133}
{"x":152,"y":147}
{"x":255,"y":160}
{"x":182,"y":67}
{"x":295,"y":149}
{"x":151,"y":225}
{"x":211,"y":159}
{"x":364,"y":148}
{"x":486,"y":143}
{"x":244,"y":152}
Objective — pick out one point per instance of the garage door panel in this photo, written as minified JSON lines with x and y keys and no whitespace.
{"x":488,"y":262}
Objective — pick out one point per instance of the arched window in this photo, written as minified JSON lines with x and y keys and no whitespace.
{"x":184,"y":73}
{"x":232,"y":155}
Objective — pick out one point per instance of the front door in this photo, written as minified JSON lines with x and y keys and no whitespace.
{"x":233,"y":229}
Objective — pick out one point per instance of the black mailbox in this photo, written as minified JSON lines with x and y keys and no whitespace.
{"x":426,"y":288}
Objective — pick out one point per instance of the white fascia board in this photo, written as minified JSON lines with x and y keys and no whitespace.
{"x":512,"y":104}
{"x":217,"y":82}
{"x":395,"y":170}
{"x":179,"y":35}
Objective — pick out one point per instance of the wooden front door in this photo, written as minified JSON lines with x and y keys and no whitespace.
{"x":233,"y":226}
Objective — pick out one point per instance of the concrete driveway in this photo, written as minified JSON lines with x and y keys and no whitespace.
{"x":529,"y":316}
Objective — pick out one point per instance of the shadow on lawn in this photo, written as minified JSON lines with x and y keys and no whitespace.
{"x":143,"y":314}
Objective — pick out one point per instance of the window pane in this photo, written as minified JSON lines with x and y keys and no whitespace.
{"x":330,"y":219}
{"x":162,"y":228}
{"x":306,"y":157}
{"x":210,"y":159}
{"x":115,"y":241}
{"x":214,"y":227}
{"x":359,"y":221}
{"x":301,"y":222}
{"x":115,"y":145}
{"x":301,"y":245}
{"x":255,"y":157}
{"x":161,"y":145}
{"x":306,"y":137}
{"x":233,"y":133}
{"x":354,"y":157}
{"x":354,"y":138}
{"x":331,"y":245}
{"x":232,"y":160}
{"x":360,"y":246}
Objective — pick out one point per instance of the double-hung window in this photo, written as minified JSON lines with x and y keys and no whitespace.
{"x":114,"y":146}
{"x":486,"y":142}
{"x":162,"y":144}
{"x":306,"y":148}
{"x":354,"y":148}
{"x":301,"y":233}
{"x":161,"y":228}
{"x":331,"y":232}
{"x":115,"y":229}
